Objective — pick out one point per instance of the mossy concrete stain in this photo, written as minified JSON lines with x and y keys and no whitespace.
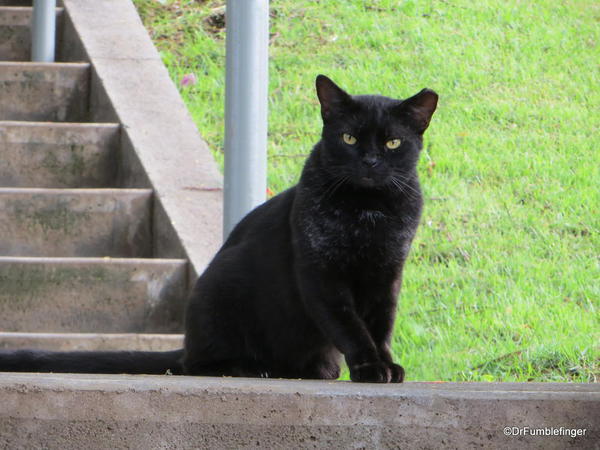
{"x":76,"y":164}
{"x":71,"y":165}
{"x":44,"y":155}
{"x":39,"y":215}
{"x":21,"y":281}
{"x":102,"y":296}
{"x":44,"y":93}
{"x":7,"y":33}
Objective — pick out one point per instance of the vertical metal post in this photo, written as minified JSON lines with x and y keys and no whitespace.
{"x":246,"y":94}
{"x":43,"y":30}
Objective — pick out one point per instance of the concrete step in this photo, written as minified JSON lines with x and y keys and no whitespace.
{"x":91,"y":341}
{"x":15,"y":32}
{"x":75,"y":222}
{"x":58,"y":155}
{"x":72,"y":411}
{"x":100,"y":295}
{"x":56,"y":92}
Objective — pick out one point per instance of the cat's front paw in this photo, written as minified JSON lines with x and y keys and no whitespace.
{"x":377,"y":372}
{"x":396,"y":373}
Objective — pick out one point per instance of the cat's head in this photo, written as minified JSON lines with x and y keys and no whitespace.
{"x":369,"y":139}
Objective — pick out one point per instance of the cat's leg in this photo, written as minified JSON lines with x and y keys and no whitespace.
{"x":317,"y":368}
{"x":325,"y":365}
{"x":379,"y":300}
{"x":331,"y":305}
{"x":212,"y":346}
{"x":321,"y":371}
{"x":380,"y":297}
{"x":380,"y":323}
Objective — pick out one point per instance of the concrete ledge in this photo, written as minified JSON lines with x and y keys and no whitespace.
{"x":144,"y":412}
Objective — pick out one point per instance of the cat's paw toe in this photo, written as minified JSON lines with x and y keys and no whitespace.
{"x":377,"y":372}
{"x":396,"y":373}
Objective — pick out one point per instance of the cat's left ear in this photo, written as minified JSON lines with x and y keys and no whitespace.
{"x":332,"y":97}
{"x":419,"y":108}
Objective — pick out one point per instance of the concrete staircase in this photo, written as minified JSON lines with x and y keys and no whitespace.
{"x":78,"y":267}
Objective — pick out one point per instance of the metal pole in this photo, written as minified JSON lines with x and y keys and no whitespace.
{"x":43,"y":30}
{"x":245,"y":109}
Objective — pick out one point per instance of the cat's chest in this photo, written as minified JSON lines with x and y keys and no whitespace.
{"x":354,"y":237}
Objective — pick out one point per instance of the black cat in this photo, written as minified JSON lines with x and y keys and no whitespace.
{"x":311,"y":274}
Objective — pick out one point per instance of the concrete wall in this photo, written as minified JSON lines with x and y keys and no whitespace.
{"x":148,"y":412}
{"x":160,"y":145}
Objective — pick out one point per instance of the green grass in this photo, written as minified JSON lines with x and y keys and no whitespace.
{"x":503,"y":283}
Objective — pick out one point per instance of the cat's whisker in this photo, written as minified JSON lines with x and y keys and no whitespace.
{"x":406,"y":190}
{"x":396,"y":184}
{"x":330,"y":187}
{"x":401,"y":184}
{"x":339,"y":182}
{"x":401,"y":189}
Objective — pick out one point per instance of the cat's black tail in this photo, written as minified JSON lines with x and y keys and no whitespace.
{"x":130,"y":362}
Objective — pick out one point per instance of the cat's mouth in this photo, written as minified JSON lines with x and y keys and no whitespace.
{"x":367,"y":181}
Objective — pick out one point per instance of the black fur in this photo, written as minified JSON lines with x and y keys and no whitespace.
{"x":311,"y":274}
{"x":132,"y":362}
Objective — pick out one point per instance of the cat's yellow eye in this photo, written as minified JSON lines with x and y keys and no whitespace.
{"x":349,"y":139}
{"x":393,"y":144}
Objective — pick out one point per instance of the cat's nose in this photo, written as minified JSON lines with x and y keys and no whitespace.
{"x":370,"y":160}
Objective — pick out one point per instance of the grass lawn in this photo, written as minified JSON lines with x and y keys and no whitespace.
{"x":503,"y":283}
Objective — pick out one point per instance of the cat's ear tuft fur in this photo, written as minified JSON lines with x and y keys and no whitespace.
{"x":331,"y":96}
{"x":420,"y":107}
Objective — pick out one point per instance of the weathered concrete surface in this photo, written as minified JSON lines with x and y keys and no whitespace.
{"x":102,"y":295}
{"x":15,"y":32}
{"x":158,"y":132}
{"x":148,"y":412}
{"x":58,"y":155}
{"x":91,"y":341}
{"x":44,"y":91}
{"x":75,"y":222}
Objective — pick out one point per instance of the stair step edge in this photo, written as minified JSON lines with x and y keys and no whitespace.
{"x":82,"y":191}
{"x":89,"y":260}
{"x":90,"y":341}
{"x":45,"y":65}
{"x":33,"y":123}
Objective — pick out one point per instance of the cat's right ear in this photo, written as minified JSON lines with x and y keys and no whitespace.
{"x":419,"y":108}
{"x":331,"y":96}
